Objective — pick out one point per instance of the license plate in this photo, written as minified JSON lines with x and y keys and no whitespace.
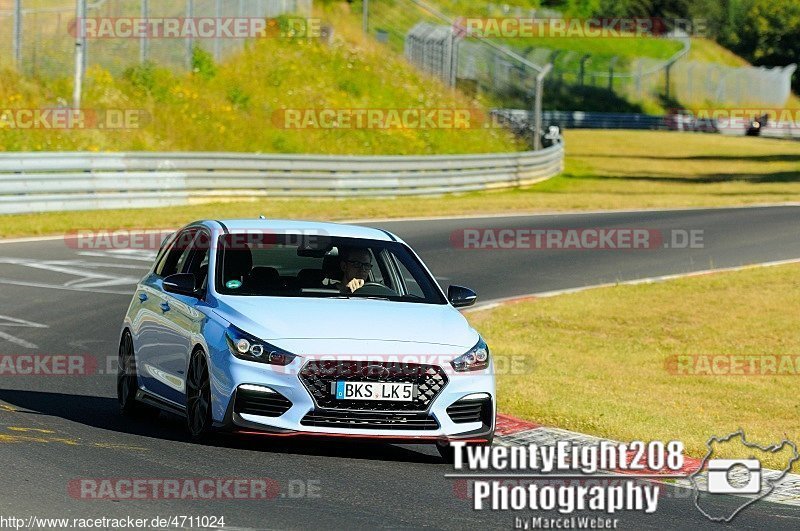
{"x":395,"y":392}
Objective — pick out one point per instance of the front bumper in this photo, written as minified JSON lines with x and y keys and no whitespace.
{"x":227,"y":378}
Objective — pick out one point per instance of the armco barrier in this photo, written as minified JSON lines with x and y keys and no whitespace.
{"x":39,"y":182}
{"x":589,"y":120}
{"x":671,"y":122}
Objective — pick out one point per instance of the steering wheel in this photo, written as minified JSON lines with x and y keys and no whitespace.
{"x":377,"y":289}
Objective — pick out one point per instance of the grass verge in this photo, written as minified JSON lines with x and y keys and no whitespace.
{"x":604,"y":170}
{"x":597,"y":364}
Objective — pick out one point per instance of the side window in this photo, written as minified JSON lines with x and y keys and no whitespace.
{"x":197,"y":263}
{"x":177,"y":255}
{"x":412,"y":287}
{"x":376,"y":275}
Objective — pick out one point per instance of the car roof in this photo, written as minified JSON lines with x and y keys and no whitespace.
{"x":339,"y":230}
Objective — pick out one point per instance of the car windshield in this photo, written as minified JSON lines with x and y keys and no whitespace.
{"x":295,"y":265}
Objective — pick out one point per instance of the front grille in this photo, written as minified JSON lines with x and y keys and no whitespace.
{"x":319,"y":377}
{"x":370,"y":420}
{"x":465,"y":411}
{"x":260,"y":403}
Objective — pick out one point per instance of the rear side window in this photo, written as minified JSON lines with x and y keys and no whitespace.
{"x":175,"y":258}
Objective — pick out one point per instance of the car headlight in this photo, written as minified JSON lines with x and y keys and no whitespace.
{"x":476,"y":359}
{"x":250,"y":348}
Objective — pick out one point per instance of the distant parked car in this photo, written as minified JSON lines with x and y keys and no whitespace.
{"x":551,"y":137}
{"x":755,"y":126}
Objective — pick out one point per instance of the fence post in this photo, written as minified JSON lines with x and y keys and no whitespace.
{"x":189,"y":40}
{"x":689,"y":83}
{"x":17,"y":34}
{"x":553,"y":58}
{"x":667,"y":81}
{"x":583,"y":67}
{"x":537,"y":111}
{"x":365,"y":16}
{"x":217,"y":42}
{"x":80,"y":45}
{"x":143,"y":44}
{"x":639,"y":80}
{"x":611,"y":72}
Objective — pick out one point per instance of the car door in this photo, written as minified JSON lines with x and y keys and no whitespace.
{"x":183,"y":321}
{"x":162,"y":343}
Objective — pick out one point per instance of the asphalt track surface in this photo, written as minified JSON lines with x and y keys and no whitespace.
{"x":58,"y":300}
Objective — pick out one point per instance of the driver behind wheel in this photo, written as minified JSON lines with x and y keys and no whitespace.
{"x":356,"y":265}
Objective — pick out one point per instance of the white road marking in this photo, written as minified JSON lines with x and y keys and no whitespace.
{"x":86,"y":279}
{"x":14,"y":321}
{"x":113,"y":265}
{"x":60,"y":287}
{"x":18,"y":341}
{"x":58,"y":266}
{"x":122,"y":254}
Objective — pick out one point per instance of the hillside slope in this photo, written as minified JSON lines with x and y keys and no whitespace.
{"x":235,"y":106}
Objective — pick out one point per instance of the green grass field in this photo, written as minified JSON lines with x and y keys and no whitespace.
{"x":708,"y":51}
{"x":604,"y":170}
{"x":601,"y":361}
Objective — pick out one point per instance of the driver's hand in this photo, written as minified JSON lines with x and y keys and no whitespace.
{"x":355,"y":284}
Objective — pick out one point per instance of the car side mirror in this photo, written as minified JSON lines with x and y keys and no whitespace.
{"x":461,"y":297}
{"x":182,"y":284}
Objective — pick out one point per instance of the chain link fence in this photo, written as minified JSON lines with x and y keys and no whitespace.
{"x":696,"y":84}
{"x":38,"y":37}
{"x":677,"y":80}
{"x":509,"y":71}
{"x":432,"y":41}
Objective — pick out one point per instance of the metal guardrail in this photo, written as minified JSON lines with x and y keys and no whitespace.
{"x":787,"y":131}
{"x":590,"y":120}
{"x":670,"y":122}
{"x":40,"y":182}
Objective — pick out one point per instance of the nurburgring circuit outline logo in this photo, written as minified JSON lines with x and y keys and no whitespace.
{"x":719,"y":473}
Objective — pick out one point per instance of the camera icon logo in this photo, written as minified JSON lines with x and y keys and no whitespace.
{"x":734,"y":476}
{"x":739,"y":476}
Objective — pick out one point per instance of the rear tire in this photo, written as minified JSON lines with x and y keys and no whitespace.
{"x":198,"y":397}
{"x":127,"y":381}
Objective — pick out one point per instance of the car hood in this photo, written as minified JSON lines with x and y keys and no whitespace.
{"x":341,"y":323}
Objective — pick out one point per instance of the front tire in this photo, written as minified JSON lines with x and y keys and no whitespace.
{"x":198,"y":397}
